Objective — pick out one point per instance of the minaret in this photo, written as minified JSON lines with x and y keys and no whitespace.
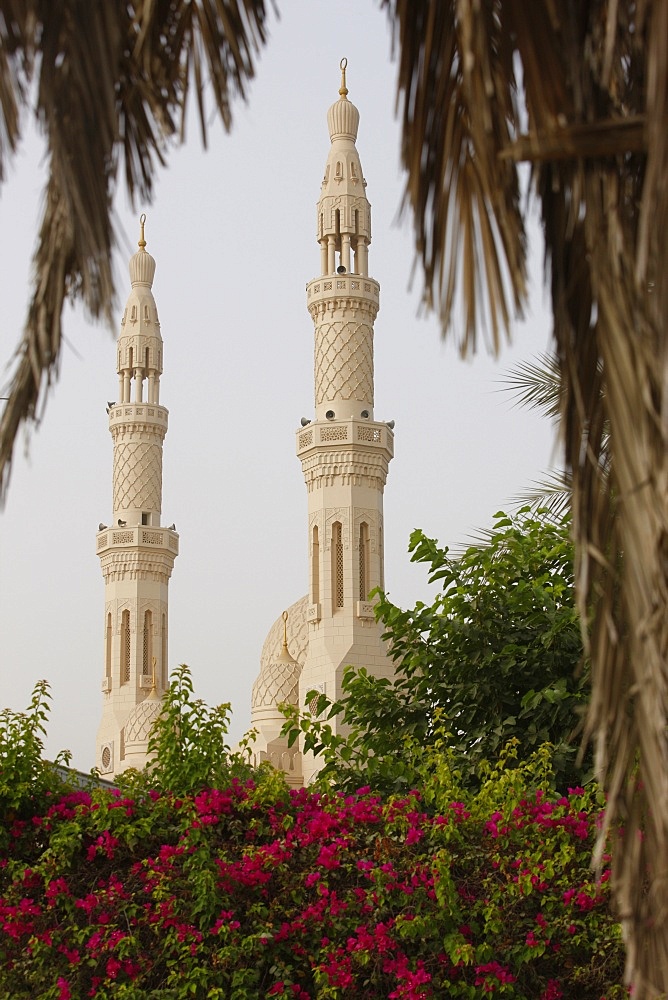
{"x":344,"y":452}
{"x":136,"y":554}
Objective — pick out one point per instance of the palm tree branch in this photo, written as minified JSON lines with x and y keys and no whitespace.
{"x":112,"y":85}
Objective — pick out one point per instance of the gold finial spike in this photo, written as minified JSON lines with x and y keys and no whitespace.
{"x":284,"y":616}
{"x":343,"y":90}
{"x":154,"y":661}
{"x":142,"y":221}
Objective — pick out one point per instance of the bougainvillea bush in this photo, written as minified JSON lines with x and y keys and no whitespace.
{"x":254,"y":891}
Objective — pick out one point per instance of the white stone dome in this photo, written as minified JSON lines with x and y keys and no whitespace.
{"x":278,"y":680}
{"x":142,"y":718}
{"x":142,"y":268}
{"x":343,"y":120}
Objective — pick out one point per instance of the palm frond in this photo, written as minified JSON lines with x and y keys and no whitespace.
{"x":464,"y":199}
{"x":536,"y":385}
{"x":590,"y":119}
{"x":550,"y":495}
{"x":112,"y":90}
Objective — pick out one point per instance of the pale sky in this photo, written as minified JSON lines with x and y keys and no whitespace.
{"x":233,"y":233}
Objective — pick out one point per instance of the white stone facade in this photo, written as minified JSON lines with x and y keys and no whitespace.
{"x":136,"y":554}
{"x":344,"y":452}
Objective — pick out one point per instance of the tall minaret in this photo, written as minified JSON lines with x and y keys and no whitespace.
{"x":136,"y":554}
{"x":344,"y":452}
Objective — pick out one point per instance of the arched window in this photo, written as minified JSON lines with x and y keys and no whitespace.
{"x":107,"y":648}
{"x":164,"y":652}
{"x":147,"y":653}
{"x":381,"y":567}
{"x":125,"y":647}
{"x":337,"y":567}
{"x":315,"y":567}
{"x":365,"y":585}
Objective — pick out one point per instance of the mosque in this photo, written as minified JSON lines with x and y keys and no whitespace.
{"x":344,"y":452}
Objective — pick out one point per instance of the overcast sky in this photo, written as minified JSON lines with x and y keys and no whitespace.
{"x":233,"y":233}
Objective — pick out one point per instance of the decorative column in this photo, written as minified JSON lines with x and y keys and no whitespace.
{"x":136,"y":554}
{"x":345,"y":453}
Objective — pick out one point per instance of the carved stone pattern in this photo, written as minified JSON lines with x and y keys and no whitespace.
{"x":173,"y":544}
{"x":137,"y":475}
{"x":297,"y":629}
{"x":342,"y":515}
{"x":368,"y":434}
{"x":102,"y":541}
{"x":365,"y":609}
{"x":338,"y":468}
{"x":141,"y":720}
{"x":122,"y":606}
{"x":146,"y":604}
{"x":314,"y":521}
{"x":344,"y":361}
{"x":334,"y":433}
{"x":278,"y":682}
{"x":151,"y":537}
{"x":137,"y":564}
{"x":370,"y":517}
{"x":122,"y":537}
{"x":305,"y":439}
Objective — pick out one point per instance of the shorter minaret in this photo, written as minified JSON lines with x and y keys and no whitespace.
{"x":344,"y":452}
{"x":136,"y":554}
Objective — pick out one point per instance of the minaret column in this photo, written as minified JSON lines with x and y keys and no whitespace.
{"x":345,"y":453}
{"x":136,"y":554}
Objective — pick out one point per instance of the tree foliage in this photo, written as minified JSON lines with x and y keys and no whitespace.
{"x":249,"y":890}
{"x":497,"y":655}
{"x":189,"y":747}
{"x":26,"y":779}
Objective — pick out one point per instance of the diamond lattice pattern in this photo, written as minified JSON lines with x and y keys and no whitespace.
{"x":137,"y":476}
{"x":277,"y":683}
{"x":344,"y":361}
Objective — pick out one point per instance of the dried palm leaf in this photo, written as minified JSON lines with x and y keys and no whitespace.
{"x":590,"y":117}
{"x":112,"y":87}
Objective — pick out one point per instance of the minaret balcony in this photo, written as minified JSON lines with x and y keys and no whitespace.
{"x":346,"y":435}
{"x":144,"y":537}
{"x":342,"y":286}
{"x":138,"y":413}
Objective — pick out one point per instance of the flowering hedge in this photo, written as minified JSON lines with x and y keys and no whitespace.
{"x":253,"y":891}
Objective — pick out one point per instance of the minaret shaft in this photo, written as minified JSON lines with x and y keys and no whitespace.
{"x":345,"y":453}
{"x":136,"y":554}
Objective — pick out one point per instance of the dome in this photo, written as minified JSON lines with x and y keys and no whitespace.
{"x":142,"y":268}
{"x":142,"y":265}
{"x":277,"y":683}
{"x":297,"y":634}
{"x":343,"y":118}
{"x":142,"y":718}
{"x":278,"y":680}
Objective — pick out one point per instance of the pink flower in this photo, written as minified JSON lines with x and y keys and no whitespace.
{"x":64,"y":988}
